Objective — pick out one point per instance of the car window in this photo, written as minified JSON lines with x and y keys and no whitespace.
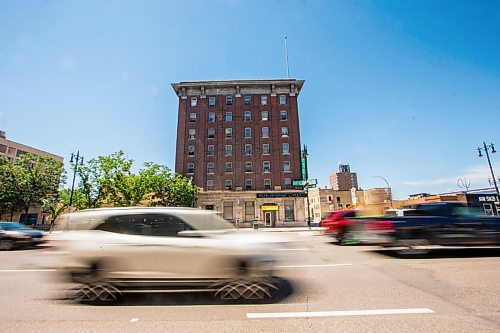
{"x":166,"y":225}
{"x":145,"y":225}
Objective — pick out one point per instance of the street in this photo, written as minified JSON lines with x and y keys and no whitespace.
{"x":332,"y":289}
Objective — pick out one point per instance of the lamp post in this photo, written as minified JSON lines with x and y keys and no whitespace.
{"x":486,"y":149}
{"x":76,"y":159}
{"x":388,"y":187}
{"x":306,"y":174}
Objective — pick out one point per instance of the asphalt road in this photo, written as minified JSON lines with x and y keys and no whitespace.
{"x":327,"y":288}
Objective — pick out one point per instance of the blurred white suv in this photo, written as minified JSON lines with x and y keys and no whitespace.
{"x":123,"y":250}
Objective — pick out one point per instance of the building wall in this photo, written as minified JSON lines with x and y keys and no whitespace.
{"x":216,"y":200}
{"x":322,"y":201}
{"x":12,"y":150}
{"x":343,"y":181}
{"x":238,"y":89}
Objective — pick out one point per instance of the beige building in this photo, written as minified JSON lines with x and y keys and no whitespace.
{"x":12,"y":150}
{"x":324,"y":200}
{"x":271,"y":208}
{"x":344,"y":180}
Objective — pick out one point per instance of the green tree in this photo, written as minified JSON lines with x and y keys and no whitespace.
{"x":39,"y":176}
{"x":167,"y":188}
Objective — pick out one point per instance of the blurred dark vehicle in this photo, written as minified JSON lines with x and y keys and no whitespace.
{"x":342,"y":225}
{"x":16,"y":235}
{"x":436,"y":223}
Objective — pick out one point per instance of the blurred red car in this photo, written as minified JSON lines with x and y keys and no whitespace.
{"x":339,"y":223}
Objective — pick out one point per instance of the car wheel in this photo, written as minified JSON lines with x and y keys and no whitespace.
{"x":97,"y":294}
{"x":6,"y":244}
{"x":246,"y":289}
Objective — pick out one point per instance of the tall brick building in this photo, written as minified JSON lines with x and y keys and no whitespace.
{"x":344,"y":180}
{"x":241,"y":139}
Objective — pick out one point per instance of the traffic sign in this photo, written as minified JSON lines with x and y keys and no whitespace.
{"x":312,"y":181}
{"x":299,"y":183}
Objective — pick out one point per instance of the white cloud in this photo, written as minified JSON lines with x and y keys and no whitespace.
{"x":475,"y":174}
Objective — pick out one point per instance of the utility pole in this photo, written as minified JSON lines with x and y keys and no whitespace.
{"x":76,"y":159}
{"x":306,"y":173}
{"x":493,"y":151}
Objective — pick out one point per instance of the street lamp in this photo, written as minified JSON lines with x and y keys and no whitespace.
{"x":486,"y":148}
{"x":388,"y":187}
{"x":74,"y":159}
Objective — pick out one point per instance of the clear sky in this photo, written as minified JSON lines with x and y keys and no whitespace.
{"x":406,"y":90}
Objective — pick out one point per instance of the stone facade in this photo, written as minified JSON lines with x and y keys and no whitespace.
{"x":322,"y":201}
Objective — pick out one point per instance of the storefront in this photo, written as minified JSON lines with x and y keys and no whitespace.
{"x":270,"y":208}
{"x":485,"y":203}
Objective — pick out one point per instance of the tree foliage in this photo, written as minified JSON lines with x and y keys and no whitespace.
{"x":27,"y":181}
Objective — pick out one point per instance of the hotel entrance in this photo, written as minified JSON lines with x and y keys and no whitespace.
{"x":269,"y":212}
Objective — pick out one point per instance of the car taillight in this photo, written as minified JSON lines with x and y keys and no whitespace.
{"x":379,"y":225}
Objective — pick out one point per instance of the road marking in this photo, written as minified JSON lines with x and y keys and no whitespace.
{"x":134,"y":320}
{"x":295,"y":249}
{"x":338,"y":313}
{"x":25,"y":270}
{"x":306,"y":266}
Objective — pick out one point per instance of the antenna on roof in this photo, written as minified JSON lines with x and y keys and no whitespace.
{"x":286,"y":55}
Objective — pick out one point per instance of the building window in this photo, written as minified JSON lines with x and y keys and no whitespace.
{"x":285,"y":148}
{"x":229,"y":132}
{"x":248,"y":116}
{"x":267,"y":166}
{"x":229,"y":150}
{"x":265,"y":132}
{"x":210,"y":167}
{"x":284,"y":131}
{"x":248,"y":166}
{"x":194,"y":101}
{"x":192,"y":117}
{"x":286,"y":166}
{"x":210,"y":150}
{"x":211,"y":133}
{"x":249,"y":211}
{"x":211,"y":101}
{"x":248,"y":100}
{"x":289,"y":210}
{"x":288,"y":183}
{"x":227,"y":210}
{"x":264,"y":115}
{"x":267,"y":184}
{"x":248,"y":184}
{"x":190,"y":150}
{"x":192,"y":133}
{"x":248,"y":149}
{"x":229,"y":116}
{"x":283,"y":115}
{"x":210,"y":184}
{"x":229,"y":167}
{"x":263,"y":100}
{"x":282,"y":100}
{"x":248,"y":132}
{"x":229,"y":184}
{"x":211,"y":117}
{"x":190,"y":168}
{"x":265,"y":148}
{"x":229,"y":100}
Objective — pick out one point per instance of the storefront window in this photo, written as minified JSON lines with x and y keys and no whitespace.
{"x":289,"y":210}
{"x":228,"y":210}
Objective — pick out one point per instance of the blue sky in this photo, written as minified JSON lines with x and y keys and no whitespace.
{"x":406,"y":90}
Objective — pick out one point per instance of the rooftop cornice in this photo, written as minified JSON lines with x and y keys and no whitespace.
{"x":184,"y":85}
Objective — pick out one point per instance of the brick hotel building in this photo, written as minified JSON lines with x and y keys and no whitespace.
{"x":239,"y":141}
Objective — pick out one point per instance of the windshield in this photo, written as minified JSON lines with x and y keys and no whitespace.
{"x":8,"y":226}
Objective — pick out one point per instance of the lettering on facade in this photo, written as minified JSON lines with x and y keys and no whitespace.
{"x":489,"y":198}
{"x":280,"y":195}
